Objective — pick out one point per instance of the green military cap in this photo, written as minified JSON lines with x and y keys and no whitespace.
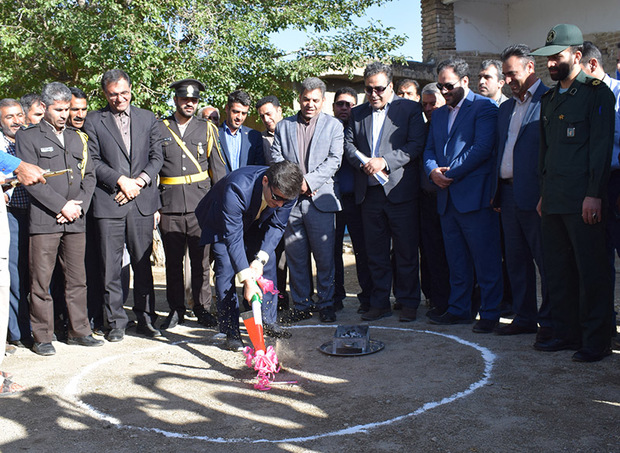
{"x":560,"y":38}
{"x":187,"y":88}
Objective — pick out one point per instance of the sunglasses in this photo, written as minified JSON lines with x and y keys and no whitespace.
{"x":275,"y":197}
{"x":378,"y":90}
{"x":447,"y":86}
{"x":343,"y":104}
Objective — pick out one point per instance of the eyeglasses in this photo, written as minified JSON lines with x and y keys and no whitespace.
{"x":343,"y":104}
{"x":378,"y":90}
{"x":447,"y":86}
{"x":275,"y":197}
{"x":123,"y":94}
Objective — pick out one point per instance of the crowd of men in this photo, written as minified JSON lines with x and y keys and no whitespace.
{"x":438,"y":182}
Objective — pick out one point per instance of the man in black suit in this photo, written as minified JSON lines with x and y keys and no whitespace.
{"x":389,"y":132}
{"x":192,"y":159}
{"x":125,"y":144}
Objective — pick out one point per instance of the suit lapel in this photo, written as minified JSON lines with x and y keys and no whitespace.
{"x":50,"y":135}
{"x":291,"y":134}
{"x":224,"y":145}
{"x":367,"y":126}
{"x":463,"y":112}
{"x":320,"y":124}
{"x":108,"y":122}
{"x":245,"y":146}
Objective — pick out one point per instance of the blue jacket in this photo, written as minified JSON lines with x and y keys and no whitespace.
{"x":469,"y":151}
{"x":251,"y":152}
{"x":231,"y":207}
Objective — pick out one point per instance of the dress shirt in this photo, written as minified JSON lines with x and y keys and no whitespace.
{"x":614,"y":86}
{"x":378,"y":118}
{"x":123,"y":122}
{"x":18,"y":197}
{"x":454,"y":111}
{"x":305,"y":131}
{"x":516,"y":120}
{"x":233,"y":143}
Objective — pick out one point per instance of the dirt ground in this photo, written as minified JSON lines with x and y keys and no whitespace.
{"x":431,"y":389}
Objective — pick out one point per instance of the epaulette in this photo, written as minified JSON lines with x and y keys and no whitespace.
{"x":592,"y":81}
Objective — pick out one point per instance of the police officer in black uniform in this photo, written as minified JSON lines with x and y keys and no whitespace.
{"x":192,"y":162}
{"x":57,"y":223}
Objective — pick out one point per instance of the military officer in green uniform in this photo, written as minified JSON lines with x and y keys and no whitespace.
{"x":577,"y":129}
{"x":192,"y":161}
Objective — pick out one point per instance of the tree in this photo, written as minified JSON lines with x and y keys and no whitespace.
{"x":224,"y":43}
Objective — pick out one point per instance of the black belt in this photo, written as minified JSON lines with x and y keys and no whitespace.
{"x":506,"y":181}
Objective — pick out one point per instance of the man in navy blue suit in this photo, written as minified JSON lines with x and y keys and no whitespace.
{"x":518,"y":192}
{"x":243,"y":216}
{"x":241,"y":145}
{"x":459,"y":158}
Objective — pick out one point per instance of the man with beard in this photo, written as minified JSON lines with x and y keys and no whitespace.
{"x":575,"y":153}
{"x":459,"y":158}
{"x":192,"y":159}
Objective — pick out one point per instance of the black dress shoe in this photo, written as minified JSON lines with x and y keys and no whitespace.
{"x":514,"y":329}
{"x":587,"y":355}
{"x":115,"y":335}
{"x":43,"y":348}
{"x":364,"y":308}
{"x":448,"y":319}
{"x":435,"y":311}
{"x":148,"y":330}
{"x":557,"y":344}
{"x":327,"y":314}
{"x":276,"y":331}
{"x":233,"y":343}
{"x":484,"y":326}
{"x":408,"y":314}
{"x":295,"y":315}
{"x":174,"y":318}
{"x":544,"y":334}
{"x":88,"y":340}
{"x":376,"y":313}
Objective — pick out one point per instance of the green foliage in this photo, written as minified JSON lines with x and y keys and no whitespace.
{"x":224,"y":43}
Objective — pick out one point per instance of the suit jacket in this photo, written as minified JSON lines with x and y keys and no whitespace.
{"x":402,"y":142}
{"x":112,"y":160}
{"x":525,"y":154}
{"x":251,"y":147}
{"x":231,"y":207}
{"x":39,"y":145}
{"x":469,"y":151}
{"x":324,"y":156}
{"x":202,"y":141}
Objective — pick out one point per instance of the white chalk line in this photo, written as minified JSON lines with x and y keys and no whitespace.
{"x":72,"y":391}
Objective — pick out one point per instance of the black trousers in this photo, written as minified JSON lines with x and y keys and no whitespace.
{"x":135,"y":230}
{"x":178,"y":233}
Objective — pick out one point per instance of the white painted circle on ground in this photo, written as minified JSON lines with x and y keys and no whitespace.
{"x":72,"y":391}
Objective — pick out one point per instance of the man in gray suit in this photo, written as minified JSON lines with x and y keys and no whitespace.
{"x":389,"y":132}
{"x":314,"y":141}
{"x":125,"y":144}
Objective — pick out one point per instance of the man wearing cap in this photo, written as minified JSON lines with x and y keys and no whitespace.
{"x":577,"y":129}
{"x":192,"y":159}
